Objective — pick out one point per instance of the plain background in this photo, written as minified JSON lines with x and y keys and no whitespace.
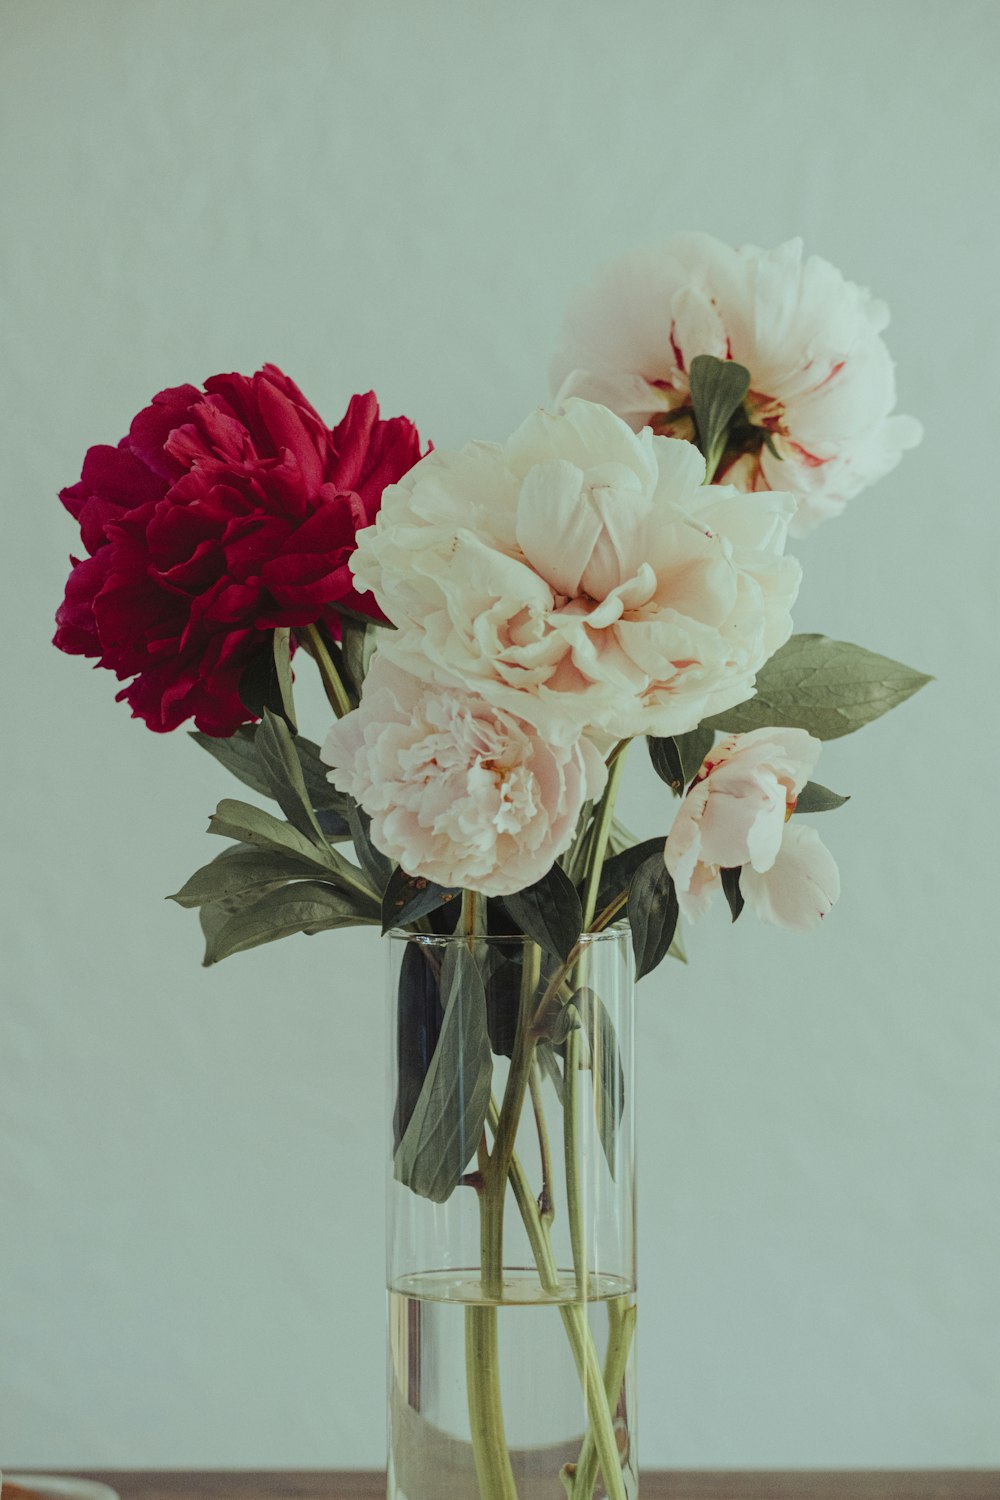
{"x":402,"y":196}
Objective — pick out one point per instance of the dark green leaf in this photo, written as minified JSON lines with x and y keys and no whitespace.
{"x":730,"y":880}
{"x":357,"y":645}
{"x":677,"y":760}
{"x":447,"y":1120}
{"x":253,"y":825}
{"x":279,"y":763}
{"x":549,"y":1064}
{"x":652,"y":913}
{"x":239,"y":870}
{"x":549,"y":912}
{"x":828,"y":687}
{"x":504,"y":969}
{"x":814,"y":798}
{"x":418,"y":1025}
{"x":305,"y":906}
{"x":717,"y":388}
{"x":267,"y":681}
{"x":374,"y":863}
{"x":606,"y":1074}
{"x":283,"y":673}
{"x":666,"y":760}
{"x":238,"y":755}
{"x":409,"y":897}
{"x":618,"y":871}
{"x":334,"y":825}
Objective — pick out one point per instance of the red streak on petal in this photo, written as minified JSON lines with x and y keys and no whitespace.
{"x":678,"y":356}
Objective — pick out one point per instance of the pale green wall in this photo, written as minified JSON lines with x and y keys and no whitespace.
{"x":402,"y":195}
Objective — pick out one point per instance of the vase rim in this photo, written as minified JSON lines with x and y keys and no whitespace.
{"x":614,"y":930}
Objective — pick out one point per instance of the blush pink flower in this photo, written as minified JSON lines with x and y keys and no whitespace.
{"x":818,"y":418}
{"x":458,"y":791}
{"x":582,"y":577}
{"x":735,"y":816}
{"x":223,"y":514}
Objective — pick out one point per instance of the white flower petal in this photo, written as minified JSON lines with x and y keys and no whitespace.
{"x":801,"y":886}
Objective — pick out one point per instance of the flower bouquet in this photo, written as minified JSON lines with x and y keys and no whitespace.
{"x":493,"y":627}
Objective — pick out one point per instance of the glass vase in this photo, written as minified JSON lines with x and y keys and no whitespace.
{"x":511,"y":1220}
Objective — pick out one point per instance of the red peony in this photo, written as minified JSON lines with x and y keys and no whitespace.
{"x":222,"y":515}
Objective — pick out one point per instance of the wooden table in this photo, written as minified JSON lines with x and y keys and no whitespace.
{"x":700,"y":1484}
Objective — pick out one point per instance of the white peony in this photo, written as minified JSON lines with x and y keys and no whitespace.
{"x":735,"y":815}
{"x":582,"y":577}
{"x":458,"y":791}
{"x":821,"y":380}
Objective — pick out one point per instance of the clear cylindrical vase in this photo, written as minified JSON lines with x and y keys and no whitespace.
{"x":511,"y":1219}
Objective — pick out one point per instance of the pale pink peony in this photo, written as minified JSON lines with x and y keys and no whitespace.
{"x":822,"y":385}
{"x":458,"y":791}
{"x":582,"y":577}
{"x":735,"y":816}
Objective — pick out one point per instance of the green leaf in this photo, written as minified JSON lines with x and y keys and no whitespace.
{"x":238,"y":870}
{"x":305,"y":906}
{"x":676,"y":761}
{"x":549,"y":1064}
{"x":357,"y":644}
{"x":549,"y":912}
{"x":238,"y":754}
{"x":253,"y":825}
{"x":814,"y":798}
{"x":717,"y":388}
{"x":408,"y":897}
{"x":267,"y":681}
{"x":418,"y":1026}
{"x":283,"y":672}
{"x":652,"y":913}
{"x":729,"y":879}
{"x":279,"y":763}
{"x":606,"y":1074}
{"x":447,"y":1120}
{"x":827,"y":687}
{"x":618,"y":871}
{"x":374,"y":863}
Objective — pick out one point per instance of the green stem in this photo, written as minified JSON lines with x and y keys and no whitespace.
{"x":482,"y":1372}
{"x":333,"y":685}
{"x":571,"y":1153}
{"x":546,"y":1203}
{"x":581,"y":1478}
{"x":602,"y":832}
{"x":600,"y":1430}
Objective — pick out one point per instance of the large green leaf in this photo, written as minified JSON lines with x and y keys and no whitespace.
{"x":253,"y":825}
{"x":606,"y":1074}
{"x":447,"y":1120}
{"x":279,"y":763}
{"x":238,"y":754}
{"x":267,"y":681}
{"x":652,"y":913}
{"x":408,"y":897}
{"x":549,"y":912}
{"x":238,"y":870}
{"x":374,"y":863}
{"x":828,"y":687}
{"x":305,"y":906}
{"x":619,"y":869}
{"x":677,"y":760}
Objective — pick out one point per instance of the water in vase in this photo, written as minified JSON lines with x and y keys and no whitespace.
{"x":431,"y":1455}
